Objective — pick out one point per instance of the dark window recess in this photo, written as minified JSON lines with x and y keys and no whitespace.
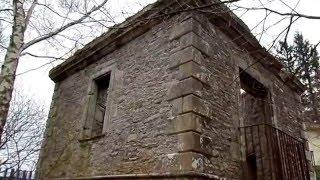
{"x":102,"y":85}
{"x":255,"y":102}
{"x":252,"y":167}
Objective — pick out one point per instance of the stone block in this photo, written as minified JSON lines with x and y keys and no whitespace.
{"x":191,"y":161}
{"x":192,"y":69}
{"x":185,"y":87}
{"x":176,"y":106}
{"x":193,"y":39}
{"x":188,"y":69}
{"x":187,"y":122}
{"x":186,"y":26}
{"x":193,"y":142}
{"x":192,"y":103}
{"x":184,"y":162}
{"x":185,"y":55}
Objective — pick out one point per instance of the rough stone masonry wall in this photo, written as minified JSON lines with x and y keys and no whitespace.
{"x":207,"y":97}
{"x":175,"y":107}
{"x":136,"y":138}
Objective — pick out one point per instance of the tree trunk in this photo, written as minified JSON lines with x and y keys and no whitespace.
{"x":10,"y":64}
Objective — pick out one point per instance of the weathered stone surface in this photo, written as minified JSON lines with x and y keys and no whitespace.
{"x":174,"y":107}
{"x":193,"y":142}
{"x":192,"y":69}
{"x":137,"y":129}
{"x":185,"y":87}
{"x":185,"y":162}
{"x":177,"y":106}
{"x":185,"y":55}
{"x":187,"y":25}
{"x":193,"y":39}
{"x":192,"y":103}
{"x":187,"y":122}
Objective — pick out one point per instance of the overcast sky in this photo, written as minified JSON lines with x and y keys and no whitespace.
{"x":38,"y":84}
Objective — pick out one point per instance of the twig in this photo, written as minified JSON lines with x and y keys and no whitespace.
{"x":57,"y":31}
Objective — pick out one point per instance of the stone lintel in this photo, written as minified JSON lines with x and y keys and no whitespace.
{"x":185,"y":87}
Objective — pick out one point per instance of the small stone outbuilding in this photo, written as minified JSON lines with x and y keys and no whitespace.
{"x":181,"y":90}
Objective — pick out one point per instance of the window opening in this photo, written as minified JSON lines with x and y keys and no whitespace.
{"x":102,"y":86}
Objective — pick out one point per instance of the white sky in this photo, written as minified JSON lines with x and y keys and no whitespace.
{"x":38,"y":84}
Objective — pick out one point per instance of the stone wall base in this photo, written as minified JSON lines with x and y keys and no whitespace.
{"x":187,"y":176}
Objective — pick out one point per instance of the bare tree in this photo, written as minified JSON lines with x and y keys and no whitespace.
{"x":35,"y":21}
{"x":22,"y":133}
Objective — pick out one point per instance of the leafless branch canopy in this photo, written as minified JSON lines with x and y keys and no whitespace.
{"x":23,"y":133}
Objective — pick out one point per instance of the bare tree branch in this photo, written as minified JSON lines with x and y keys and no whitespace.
{"x":39,"y":67}
{"x":23,"y":133}
{"x":30,"y":11}
{"x":55,"y":12}
{"x":3,"y":10}
{"x":280,"y":13}
{"x":42,"y":56}
{"x":57,"y":31}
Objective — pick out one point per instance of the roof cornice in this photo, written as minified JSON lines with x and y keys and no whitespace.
{"x":117,"y":36}
{"x":152,"y":15}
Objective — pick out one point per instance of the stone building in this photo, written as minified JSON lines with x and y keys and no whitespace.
{"x":313,"y":137}
{"x":181,"y":90}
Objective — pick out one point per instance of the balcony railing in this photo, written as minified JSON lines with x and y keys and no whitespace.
{"x":271,"y":154}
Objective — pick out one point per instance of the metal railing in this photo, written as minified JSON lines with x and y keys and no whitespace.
{"x":271,"y":154}
{"x":313,"y":162}
{"x":15,"y":174}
